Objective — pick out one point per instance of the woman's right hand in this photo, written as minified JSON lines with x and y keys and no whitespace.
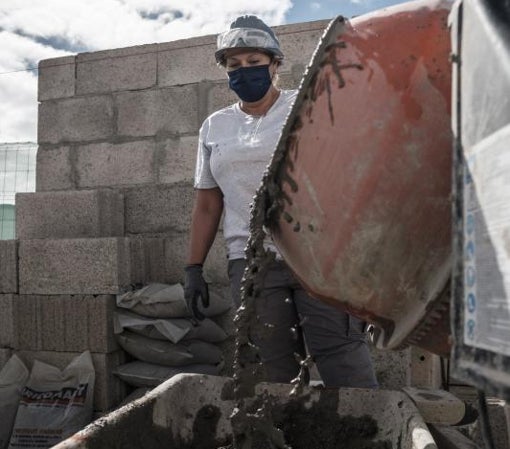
{"x":195,"y":287}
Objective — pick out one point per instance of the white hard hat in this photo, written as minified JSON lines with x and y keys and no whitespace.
{"x":248,"y":32}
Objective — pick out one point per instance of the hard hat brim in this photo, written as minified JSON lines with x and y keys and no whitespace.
{"x":249,"y":38}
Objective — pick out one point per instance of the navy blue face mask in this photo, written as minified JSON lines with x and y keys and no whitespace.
{"x":250,"y":83}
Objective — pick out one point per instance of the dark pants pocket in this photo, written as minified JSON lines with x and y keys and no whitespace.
{"x":357,"y":327}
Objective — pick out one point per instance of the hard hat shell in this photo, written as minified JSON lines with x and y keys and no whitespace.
{"x":248,"y":32}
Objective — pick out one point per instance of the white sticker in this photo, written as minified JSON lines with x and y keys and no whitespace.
{"x":486,"y":249}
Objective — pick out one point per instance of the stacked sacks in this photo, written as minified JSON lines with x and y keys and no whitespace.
{"x":13,"y":378}
{"x":40,"y":408}
{"x":155,"y":326}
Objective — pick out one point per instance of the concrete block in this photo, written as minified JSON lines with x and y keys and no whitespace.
{"x":425,"y":369}
{"x":54,"y":169}
{"x":176,"y":159}
{"x":70,"y":323}
{"x":8,"y":266}
{"x":74,"y":266}
{"x":56,"y":78}
{"x":176,"y":250}
{"x":69,"y":214}
{"x":391,"y":368}
{"x":164,"y":260}
{"x":215,"y":268}
{"x":148,"y":260}
{"x":118,"y":52}
{"x":158,"y":208}
{"x":498,"y":423}
{"x":191,"y":43}
{"x":138,"y":256}
{"x":8,"y":323}
{"x":298,"y":47}
{"x":288,"y":81}
{"x":115,"y":73}
{"x":5,"y":355}
{"x":437,"y":406}
{"x":219,"y":95}
{"x":199,"y":62}
{"x":301,"y":27}
{"x":167,"y":111}
{"x":107,"y":164}
{"x":496,"y":414}
{"x":52,"y":62}
{"x":108,"y":389}
{"x":75,"y":119}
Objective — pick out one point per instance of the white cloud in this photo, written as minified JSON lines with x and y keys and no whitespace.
{"x":18,"y":107}
{"x":103,"y":24}
{"x":18,"y":90}
{"x":33,"y":30}
{"x":315,"y":6}
{"x":18,"y":51}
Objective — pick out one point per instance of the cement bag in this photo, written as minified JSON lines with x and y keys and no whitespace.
{"x":166,"y":353}
{"x":142,"y":374}
{"x":13,"y":378}
{"x":206,"y":330}
{"x":172,"y":329}
{"x":167,"y":301}
{"x":54,"y":404}
{"x":156,"y":300}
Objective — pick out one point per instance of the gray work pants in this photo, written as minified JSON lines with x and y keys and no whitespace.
{"x":335,"y":340}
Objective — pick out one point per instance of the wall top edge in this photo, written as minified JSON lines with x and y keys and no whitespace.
{"x":172,"y":45}
{"x":62,"y":60}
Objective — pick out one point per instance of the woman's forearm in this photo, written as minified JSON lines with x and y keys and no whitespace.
{"x":205,"y":219}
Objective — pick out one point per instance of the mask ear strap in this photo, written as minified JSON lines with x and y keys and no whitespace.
{"x":275,"y":71}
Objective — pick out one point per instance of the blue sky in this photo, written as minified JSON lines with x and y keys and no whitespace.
{"x":305,"y":11}
{"x":31,"y":30}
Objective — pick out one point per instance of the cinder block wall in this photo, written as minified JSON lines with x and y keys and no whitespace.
{"x":117,"y":137}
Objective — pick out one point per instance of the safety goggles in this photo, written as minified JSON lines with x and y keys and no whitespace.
{"x":246,"y":37}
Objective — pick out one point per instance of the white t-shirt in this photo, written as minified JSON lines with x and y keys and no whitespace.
{"x":234,"y":149}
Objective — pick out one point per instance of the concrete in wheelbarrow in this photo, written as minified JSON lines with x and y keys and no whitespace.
{"x":192,"y":411}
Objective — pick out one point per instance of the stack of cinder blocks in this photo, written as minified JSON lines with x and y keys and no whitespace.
{"x":8,"y":288}
{"x":117,"y":145}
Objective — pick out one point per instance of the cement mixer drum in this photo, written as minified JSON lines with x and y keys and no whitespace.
{"x":359,"y":186}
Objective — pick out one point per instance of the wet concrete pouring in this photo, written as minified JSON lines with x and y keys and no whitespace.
{"x":257,"y":422}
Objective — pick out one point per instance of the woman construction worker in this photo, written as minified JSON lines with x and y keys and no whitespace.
{"x":235,"y":146}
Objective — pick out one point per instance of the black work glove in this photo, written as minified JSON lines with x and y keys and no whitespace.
{"x":195,"y":287}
